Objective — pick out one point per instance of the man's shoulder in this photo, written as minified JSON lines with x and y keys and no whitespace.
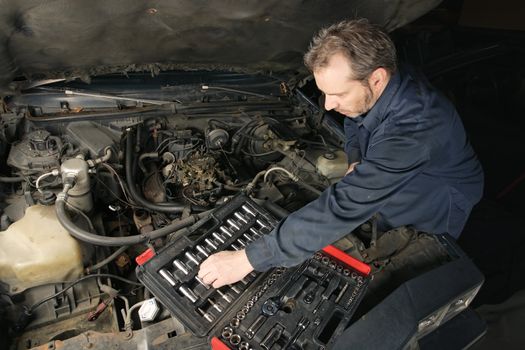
{"x":416,"y":99}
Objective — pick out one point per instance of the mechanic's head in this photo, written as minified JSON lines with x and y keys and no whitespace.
{"x":352,"y":62}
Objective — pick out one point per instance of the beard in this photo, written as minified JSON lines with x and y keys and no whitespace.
{"x":365,"y":104}
{"x":368,"y":101}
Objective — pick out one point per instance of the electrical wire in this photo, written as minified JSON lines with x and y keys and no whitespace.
{"x":119,"y":179}
{"x":107,"y":260}
{"x":258,"y":154}
{"x":81,"y":213}
{"x":128,"y":204}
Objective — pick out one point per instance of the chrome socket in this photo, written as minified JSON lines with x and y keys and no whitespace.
{"x":262,"y":224}
{"x":233,"y":224}
{"x":240,"y":217}
{"x":226,"y":231}
{"x":217,"y":237}
{"x":207,"y":316}
{"x":188,"y":293}
{"x":215,"y":305}
{"x":256,"y":234}
{"x":227,"y":333}
{"x":168,"y":277}
{"x":192,"y":258}
{"x":210,"y":244}
{"x":244,"y":345}
{"x":181,"y":266}
{"x":198,"y":279}
{"x":225,"y":296}
{"x":235,"y":339}
{"x":235,"y":322}
{"x":202,"y":250}
{"x":248,"y":210}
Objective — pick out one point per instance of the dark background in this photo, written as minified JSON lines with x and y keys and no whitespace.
{"x":474,"y":52}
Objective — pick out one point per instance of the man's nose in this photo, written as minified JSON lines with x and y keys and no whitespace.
{"x":330,"y":102}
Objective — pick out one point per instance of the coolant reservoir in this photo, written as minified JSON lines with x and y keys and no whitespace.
{"x":36,"y":250}
{"x":332,"y":165}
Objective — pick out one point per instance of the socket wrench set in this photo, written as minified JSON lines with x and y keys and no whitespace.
{"x":303,"y":306}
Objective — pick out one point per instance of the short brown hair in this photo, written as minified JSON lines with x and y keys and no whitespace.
{"x":366,"y":46}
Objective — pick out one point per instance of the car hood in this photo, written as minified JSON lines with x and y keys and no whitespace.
{"x":78,"y":39}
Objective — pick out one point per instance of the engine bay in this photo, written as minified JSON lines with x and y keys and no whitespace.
{"x":86,"y":192}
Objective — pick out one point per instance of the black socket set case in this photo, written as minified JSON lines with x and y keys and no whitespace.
{"x":305,"y":306}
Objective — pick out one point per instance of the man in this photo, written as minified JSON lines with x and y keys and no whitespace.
{"x":409,"y":157}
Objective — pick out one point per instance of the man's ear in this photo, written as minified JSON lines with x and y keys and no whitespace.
{"x":378,"y":79}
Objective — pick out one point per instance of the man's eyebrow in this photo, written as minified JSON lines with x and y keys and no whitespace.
{"x":334,"y":94}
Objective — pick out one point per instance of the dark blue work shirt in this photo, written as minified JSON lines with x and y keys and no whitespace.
{"x":416,"y":167}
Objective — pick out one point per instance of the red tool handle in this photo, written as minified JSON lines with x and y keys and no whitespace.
{"x":347,"y":259}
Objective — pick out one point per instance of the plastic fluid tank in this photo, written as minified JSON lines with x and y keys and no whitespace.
{"x":36,"y":250}
{"x":332,"y":165}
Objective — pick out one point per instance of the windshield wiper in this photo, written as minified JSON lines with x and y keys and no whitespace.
{"x":119,"y":98}
{"x":110,"y":96}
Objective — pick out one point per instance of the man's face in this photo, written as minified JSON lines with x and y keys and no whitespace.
{"x":347,"y":96}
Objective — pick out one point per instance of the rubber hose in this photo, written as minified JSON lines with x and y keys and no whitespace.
{"x":309,"y":187}
{"x":7,"y":179}
{"x":96,"y":239}
{"x":135,"y":194}
{"x":275,"y":209}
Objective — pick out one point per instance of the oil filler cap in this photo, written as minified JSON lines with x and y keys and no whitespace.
{"x":149,"y":310}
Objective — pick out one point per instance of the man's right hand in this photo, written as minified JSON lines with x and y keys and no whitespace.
{"x":225,"y":267}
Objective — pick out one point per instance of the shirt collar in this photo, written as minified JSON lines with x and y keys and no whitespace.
{"x":371,"y":119}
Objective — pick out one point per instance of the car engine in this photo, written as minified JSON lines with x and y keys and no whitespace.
{"x":86,"y":191}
